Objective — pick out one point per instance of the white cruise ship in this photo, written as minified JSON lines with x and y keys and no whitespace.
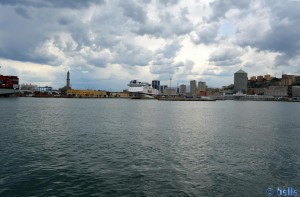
{"x":139,"y":89}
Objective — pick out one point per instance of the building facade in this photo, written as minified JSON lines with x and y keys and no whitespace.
{"x":156,"y":84}
{"x":253,"y":78}
{"x":193,"y":88}
{"x":277,"y":91}
{"x":182,"y":89}
{"x":296,"y":91}
{"x":162,"y":88}
{"x":86,"y":93}
{"x":202,"y":86}
{"x":240,"y":81}
{"x":170,"y":92}
{"x":260,"y":78}
{"x":287,"y":80}
{"x":268,"y":77}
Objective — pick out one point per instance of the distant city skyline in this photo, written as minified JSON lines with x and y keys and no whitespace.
{"x":105,"y":44}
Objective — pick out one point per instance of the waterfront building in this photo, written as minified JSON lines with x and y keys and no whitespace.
{"x":296,"y":91}
{"x":256,"y":91}
{"x":29,"y":86}
{"x":297,"y":80}
{"x":155,"y":84}
{"x":212,"y":92}
{"x":277,"y":91}
{"x":86,"y":93}
{"x":193,"y":87}
{"x":259,"y":91}
{"x":287,"y":80}
{"x":170,"y":92}
{"x":45,"y":89}
{"x":240,"y":81}
{"x":119,"y":94}
{"x":182,"y":89}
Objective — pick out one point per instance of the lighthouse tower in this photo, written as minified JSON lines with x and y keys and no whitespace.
{"x":68,"y":81}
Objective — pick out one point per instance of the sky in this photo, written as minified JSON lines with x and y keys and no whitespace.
{"x":106,"y":43}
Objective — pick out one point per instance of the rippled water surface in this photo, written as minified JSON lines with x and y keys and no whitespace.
{"x":120,"y":147}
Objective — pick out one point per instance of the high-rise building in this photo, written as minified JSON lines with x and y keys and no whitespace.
{"x":162,"y":88}
{"x":240,"y":81}
{"x":193,"y":88}
{"x":68,"y":81}
{"x":155,"y":84}
{"x":202,"y":86}
{"x":182,"y":89}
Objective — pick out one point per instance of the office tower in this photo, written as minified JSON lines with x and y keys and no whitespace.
{"x":155,"y":84}
{"x":193,"y":87}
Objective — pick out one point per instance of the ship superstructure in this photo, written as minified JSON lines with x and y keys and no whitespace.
{"x":9,"y":85}
{"x":139,"y":89}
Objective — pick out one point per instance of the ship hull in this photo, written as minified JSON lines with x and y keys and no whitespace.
{"x":8,"y":92}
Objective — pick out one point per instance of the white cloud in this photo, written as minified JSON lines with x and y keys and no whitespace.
{"x":118,"y":41}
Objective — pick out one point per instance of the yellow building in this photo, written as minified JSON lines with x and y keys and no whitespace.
{"x":119,"y":94}
{"x":86,"y":93}
{"x":253,"y":78}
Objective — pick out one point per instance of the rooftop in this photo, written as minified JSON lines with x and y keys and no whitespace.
{"x":241,"y":72}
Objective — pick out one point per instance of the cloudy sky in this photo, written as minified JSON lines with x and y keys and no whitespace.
{"x":107,"y":43}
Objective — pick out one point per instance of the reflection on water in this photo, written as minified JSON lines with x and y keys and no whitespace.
{"x":117,"y":147}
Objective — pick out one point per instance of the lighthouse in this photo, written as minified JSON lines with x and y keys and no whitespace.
{"x":68,"y":81}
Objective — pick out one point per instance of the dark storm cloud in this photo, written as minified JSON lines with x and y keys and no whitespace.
{"x":74,"y":4}
{"x":20,"y":36}
{"x":169,"y":24}
{"x":65,"y":20}
{"x":129,"y":54}
{"x":171,"y":49}
{"x":282,"y":60}
{"x":282,"y":36}
{"x":216,"y":72}
{"x":225,"y":57}
{"x":220,"y":7}
{"x":273,"y":26}
{"x":186,"y":68}
{"x":169,"y":2}
{"x":205,"y":33}
{"x":23,"y":12}
{"x":134,"y":11}
{"x":163,"y":60}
